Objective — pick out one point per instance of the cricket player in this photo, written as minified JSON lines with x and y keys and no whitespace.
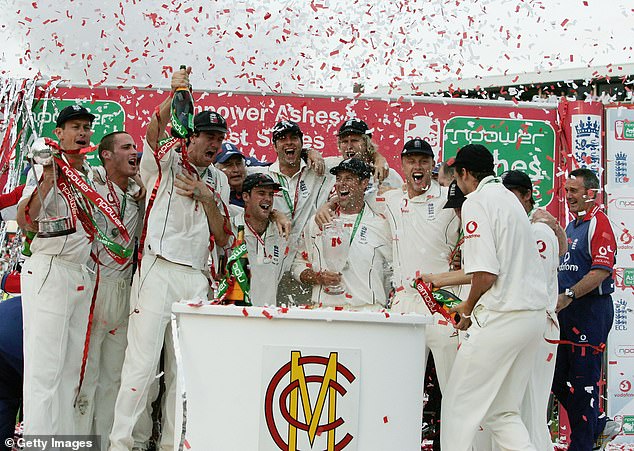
{"x":365,"y":278}
{"x":184,"y":217}
{"x":503,"y":314}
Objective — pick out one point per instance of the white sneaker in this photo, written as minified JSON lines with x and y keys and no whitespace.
{"x":610,"y":431}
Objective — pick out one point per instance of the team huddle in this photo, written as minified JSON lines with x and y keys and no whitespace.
{"x":341,"y":232}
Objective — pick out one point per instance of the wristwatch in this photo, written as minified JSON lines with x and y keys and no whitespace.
{"x":570,"y":293}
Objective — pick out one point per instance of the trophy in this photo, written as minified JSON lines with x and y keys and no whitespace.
{"x":336,"y":245}
{"x":48,"y":227}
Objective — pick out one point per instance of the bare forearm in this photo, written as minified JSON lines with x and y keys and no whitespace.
{"x":590,"y":282}
{"x":158,"y":123}
{"x":481,"y":282}
{"x":449,"y":278}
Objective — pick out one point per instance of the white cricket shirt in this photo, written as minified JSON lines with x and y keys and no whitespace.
{"x":177,"y":225}
{"x":498,"y":239}
{"x":366,"y":276}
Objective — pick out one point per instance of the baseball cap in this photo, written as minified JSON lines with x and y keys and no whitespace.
{"x":73,"y":112}
{"x":284,"y":127}
{"x":516,"y":179}
{"x":354,"y":126}
{"x":354,"y":165}
{"x":259,"y":179}
{"x":455,"y":196}
{"x":228,"y":151}
{"x":417,"y":146}
{"x":209,"y":121}
{"x":475,"y":157}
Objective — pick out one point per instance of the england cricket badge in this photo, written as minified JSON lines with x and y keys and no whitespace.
{"x":363,"y":235}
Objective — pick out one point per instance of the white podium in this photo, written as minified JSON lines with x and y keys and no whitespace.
{"x":271,"y":379}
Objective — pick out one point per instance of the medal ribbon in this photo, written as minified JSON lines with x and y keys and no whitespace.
{"x":357,"y":222}
{"x":292,"y":205}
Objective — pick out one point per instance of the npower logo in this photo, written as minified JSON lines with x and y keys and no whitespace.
{"x":296,"y":415}
{"x":625,"y":203}
{"x":625,"y":351}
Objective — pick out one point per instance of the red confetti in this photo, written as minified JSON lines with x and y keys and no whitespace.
{"x":267,"y":314}
{"x":338,"y":308}
{"x":80,"y":288}
{"x":563,"y":24}
{"x":186,"y":443}
{"x":245,"y":312}
{"x":550,"y":357}
{"x":575,"y":330}
{"x":267,"y":16}
{"x":385,"y":420}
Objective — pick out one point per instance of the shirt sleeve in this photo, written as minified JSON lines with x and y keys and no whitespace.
{"x":602,"y":243}
{"x":479,"y":249}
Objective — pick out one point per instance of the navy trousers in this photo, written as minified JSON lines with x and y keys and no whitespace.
{"x":11,"y":366}
{"x":586,"y":320}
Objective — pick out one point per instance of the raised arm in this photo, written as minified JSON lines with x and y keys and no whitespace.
{"x":156,"y":129}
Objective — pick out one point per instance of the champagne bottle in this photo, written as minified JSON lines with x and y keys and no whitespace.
{"x":242,"y":274}
{"x":182,"y":112}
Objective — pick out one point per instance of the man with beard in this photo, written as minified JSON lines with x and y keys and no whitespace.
{"x":425,"y":235}
{"x":365,"y":280}
{"x":183,"y":219}
{"x":56,"y":287}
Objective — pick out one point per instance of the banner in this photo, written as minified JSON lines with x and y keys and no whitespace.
{"x":619,"y":188}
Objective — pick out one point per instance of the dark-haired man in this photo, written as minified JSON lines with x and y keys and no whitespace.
{"x":585,"y":312}
{"x":56,"y":286}
{"x":265,"y":245}
{"x":183,"y":220}
{"x":506,"y":303}
{"x":365,"y":277}
{"x":115,"y":182}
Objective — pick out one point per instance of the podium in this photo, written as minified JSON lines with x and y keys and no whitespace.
{"x":271,"y":379}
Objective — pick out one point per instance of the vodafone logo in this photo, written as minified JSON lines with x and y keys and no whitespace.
{"x":541,"y":246}
{"x":471,"y":226}
{"x":626,"y":237}
{"x":625,"y":386}
{"x":603,"y":251}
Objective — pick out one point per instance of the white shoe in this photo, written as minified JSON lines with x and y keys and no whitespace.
{"x":610,"y":431}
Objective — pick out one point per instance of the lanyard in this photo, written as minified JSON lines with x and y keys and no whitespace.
{"x":357,"y":222}
{"x":292,"y":205}
{"x":256,"y":234}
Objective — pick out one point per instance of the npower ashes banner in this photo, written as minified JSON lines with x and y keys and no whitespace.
{"x":521,"y":135}
{"x":619,"y":187}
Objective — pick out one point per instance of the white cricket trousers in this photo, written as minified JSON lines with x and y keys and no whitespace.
{"x":535,"y":403}
{"x":159,"y":284}
{"x":56,"y":298}
{"x":95,"y":409}
{"x":489,"y":378}
{"x":440,"y":337}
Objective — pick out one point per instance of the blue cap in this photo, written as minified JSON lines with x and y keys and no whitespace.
{"x":229,"y":150}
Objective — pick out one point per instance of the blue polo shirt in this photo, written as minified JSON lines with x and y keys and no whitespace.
{"x":591,"y":245}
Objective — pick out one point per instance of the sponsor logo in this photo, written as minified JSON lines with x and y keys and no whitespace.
{"x":302,"y":415}
{"x":512,"y":143}
{"x":624,"y":351}
{"x":625,"y":386}
{"x":471,"y":226}
{"x":565,"y":266}
{"x":626,"y":203}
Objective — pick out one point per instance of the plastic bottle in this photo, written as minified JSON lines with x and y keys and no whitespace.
{"x":182,"y":111}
